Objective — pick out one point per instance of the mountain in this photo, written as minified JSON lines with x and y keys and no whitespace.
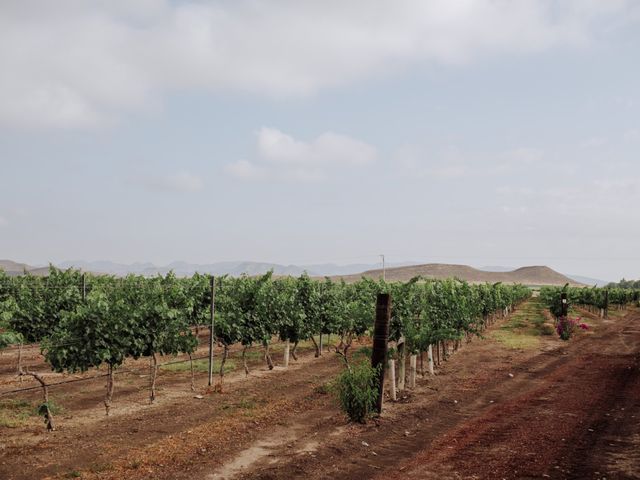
{"x":497,"y":269}
{"x":331,"y":269}
{"x":102,"y":266}
{"x":576,"y":278}
{"x":221,"y":268}
{"x":538,"y":275}
{"x":589,"y":281}
{"x":14,"y":268}
{"x":534,"y":275}
{"x":183,"y":268}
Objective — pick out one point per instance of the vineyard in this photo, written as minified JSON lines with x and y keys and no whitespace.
{"x":596,"y":300}
{"x":85,"y":322}
{"x":108,"y":324}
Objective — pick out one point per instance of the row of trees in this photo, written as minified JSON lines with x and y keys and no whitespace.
{"x":596,"y":299}
{"x":93,"y":321}
{"x":626,"y":284}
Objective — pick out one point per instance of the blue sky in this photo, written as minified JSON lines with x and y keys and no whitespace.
{"x":485,"y":132}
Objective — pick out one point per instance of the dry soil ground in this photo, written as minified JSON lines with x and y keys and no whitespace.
{"x":515,"y":404}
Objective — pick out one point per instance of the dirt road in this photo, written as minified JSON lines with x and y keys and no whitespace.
{"x":564,"y":410}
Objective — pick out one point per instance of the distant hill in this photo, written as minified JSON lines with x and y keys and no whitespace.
{"x":184,"y":268}
{"x":589,"y":281}
{"x":233,"y":268}
{"x":535,"y":275}
{"x":497,"y":269}
{"x":14,"y":268}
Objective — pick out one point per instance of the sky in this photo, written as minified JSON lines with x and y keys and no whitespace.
{"x":484,"y":132}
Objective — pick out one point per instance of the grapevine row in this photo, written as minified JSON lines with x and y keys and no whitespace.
{"x":597,"y":300}
{"x":93,"y":321}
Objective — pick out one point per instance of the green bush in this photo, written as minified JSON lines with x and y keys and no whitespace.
{"x":357,"y":391}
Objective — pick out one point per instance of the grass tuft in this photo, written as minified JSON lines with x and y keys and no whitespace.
{"x":15,"y":413}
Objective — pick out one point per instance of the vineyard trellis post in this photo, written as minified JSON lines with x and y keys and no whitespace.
{"x":84,"y":287}
{"x":565,"y":305}
{"x":212,"y":328}
{"x":392,"y":379}
{"x":380,"y":342}
{"x":402,"y":362}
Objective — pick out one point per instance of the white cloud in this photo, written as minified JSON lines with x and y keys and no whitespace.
{"x":177,"y":182}
{"x":244,"y":169}
{"x":419,"y":161}
{"x":329,"y":147}
{"x":80,"y":64}
{"x":281,"y":156}
{"x":594,"y":142}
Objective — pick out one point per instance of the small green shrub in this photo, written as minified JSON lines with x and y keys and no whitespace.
{"x":321,"y":389}
{"x":363,"y":352}
{"x":357,"y":392}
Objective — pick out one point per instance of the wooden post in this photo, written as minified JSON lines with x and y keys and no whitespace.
{"x":413,"y":359}
{"x":380,"y":341}
{"x":565,"y":304}
{"x":606,"y":304}
{"x":320,"y":343}
{"x":430,"y":354}
{"x":212,"y":328}
{"x":392,"y":379}
{"x":84,"y":288}
{"x":402,"y":362}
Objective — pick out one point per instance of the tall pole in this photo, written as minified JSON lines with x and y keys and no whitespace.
{"x":380,"y":341}
{"x":212,"y":328}
{"x":384,"y":270}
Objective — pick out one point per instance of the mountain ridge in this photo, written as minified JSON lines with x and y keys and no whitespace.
{"x":529,"y":275}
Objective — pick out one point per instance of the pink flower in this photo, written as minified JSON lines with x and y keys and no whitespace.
{"x":584,"y":326}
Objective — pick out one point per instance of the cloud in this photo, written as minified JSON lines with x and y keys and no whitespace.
{"x":516,"y":211}
{"x":632,"y":134}
{"x":329,"y":147}
{"x":518,"y":159}
{"x":80,"y":64}
{"x":177,"y":182}
{"x":510,"y":190}
{"x":281,"y":156}
{"x":594,"y":142}
{"x":245,"y":169}
{"x":599,"y":199}
{"x":450,"y":171}
{"x":420,"y":161}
